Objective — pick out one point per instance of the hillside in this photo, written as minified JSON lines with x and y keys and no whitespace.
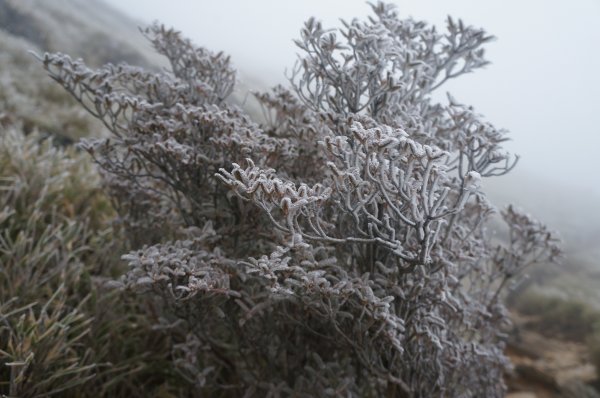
{"x":91,"y":30}
{"x":86,"y":29}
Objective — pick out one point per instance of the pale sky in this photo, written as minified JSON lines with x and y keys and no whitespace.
{"x":543,"y":83}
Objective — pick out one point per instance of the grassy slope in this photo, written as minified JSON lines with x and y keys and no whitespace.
{"x":61,"y":332}
{"x":86,"y":29}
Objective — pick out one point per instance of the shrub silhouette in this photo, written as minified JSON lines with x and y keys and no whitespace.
{"x":339,"y":249}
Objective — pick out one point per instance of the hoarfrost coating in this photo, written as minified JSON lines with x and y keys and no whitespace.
{"x":542,"y":86}
{"x":340,"y":248}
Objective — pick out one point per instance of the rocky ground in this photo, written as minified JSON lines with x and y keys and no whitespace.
{"x":546,"y":367}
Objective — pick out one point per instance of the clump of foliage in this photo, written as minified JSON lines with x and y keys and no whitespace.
{"x":42,"y":246}
{"x":62,"y":333}
{"x":341,"y":249}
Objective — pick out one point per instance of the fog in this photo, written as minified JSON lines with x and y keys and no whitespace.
{"x":542,"y":85}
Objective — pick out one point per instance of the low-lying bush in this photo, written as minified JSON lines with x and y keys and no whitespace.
{"x":342,"y":248}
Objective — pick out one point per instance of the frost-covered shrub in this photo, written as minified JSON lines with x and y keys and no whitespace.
{"x":341,"y":249}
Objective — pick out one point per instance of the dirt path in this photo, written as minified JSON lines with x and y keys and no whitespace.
{"x":546,"y":367}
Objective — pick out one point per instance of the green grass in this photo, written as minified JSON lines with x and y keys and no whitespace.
{"x":62,"y":331}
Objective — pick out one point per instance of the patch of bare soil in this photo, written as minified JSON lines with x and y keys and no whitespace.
{"x":547,"y":367}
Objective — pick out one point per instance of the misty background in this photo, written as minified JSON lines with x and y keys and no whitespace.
{"x":542,"y":85}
